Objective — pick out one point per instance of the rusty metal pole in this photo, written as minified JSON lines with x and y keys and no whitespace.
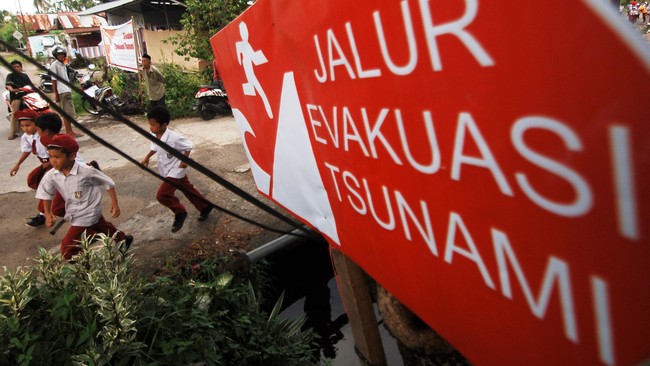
{"x":138,"y":53}
{"x":22,"y":18}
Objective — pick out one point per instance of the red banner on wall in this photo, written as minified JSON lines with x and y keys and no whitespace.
{"x":487,"y":163}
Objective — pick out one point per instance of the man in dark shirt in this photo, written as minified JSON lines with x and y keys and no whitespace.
{"x":15,"y":80}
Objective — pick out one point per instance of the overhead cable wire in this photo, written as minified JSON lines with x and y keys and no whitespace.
{"x":189,"y":161}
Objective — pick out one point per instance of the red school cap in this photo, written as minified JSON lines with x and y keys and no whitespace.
{"x":65,"y":142}
{"x":25,"y":114}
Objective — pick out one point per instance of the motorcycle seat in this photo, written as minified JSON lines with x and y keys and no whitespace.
{"x":210,"y":86}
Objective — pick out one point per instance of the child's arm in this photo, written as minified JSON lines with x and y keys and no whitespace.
{"x":22,"y":158}
{"x":182,"y":165}
{"x":145,"y":161}
{"x":115,"y":207}
{"x":50,"y":219}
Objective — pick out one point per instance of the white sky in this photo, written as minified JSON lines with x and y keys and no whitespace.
{"x":12,"y":6}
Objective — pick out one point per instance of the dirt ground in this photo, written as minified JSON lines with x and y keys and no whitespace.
{"x":217,"y":146}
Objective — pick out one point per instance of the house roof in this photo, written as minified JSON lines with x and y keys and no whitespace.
{"x":109,"y":6}
{"x":129,"y":5}
{"x":38,"y":22}
{"x":70,"y":21}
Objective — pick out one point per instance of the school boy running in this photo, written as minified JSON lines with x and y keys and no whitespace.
{"x":80,"y":185}
{"x":49,"y":125}
{"x":173,"y":169}
{"x":30,"y":144}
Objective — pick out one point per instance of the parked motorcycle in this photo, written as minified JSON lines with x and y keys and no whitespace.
{"x":46,"y":82}
{"x":30,"y":99}
{"x":46,"y":79}
{"x":103,"y":94}
{"x":210,"y":101}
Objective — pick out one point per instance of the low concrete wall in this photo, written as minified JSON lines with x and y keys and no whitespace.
{"x":164,"y":52}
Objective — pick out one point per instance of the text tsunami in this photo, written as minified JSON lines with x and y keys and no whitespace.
{"x":361,"y":130}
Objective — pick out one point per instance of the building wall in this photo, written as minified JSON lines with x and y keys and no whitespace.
{"x":161,"y":52}
{"x":87,"y":40}
{"x":116,"y":19}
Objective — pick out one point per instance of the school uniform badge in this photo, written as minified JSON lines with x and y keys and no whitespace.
{"x":169,"y":155}
{"x":78,"y":194}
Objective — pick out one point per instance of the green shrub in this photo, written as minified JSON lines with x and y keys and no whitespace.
{"x":97,"y":311}
{"x":126,"y":86}
{"x":180,"y":88}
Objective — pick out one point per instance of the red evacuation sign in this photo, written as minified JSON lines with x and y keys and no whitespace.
{"x":488,"y":163}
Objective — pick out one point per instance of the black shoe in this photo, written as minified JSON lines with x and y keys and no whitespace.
{"x":95,"y":165}
{"x":126,"y":244}
{"x":36,"y":221}
{"x":128,"y":240}
{"x":205,"y":213}
{"x":179,"y":220}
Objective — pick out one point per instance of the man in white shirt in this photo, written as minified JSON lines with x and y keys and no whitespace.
{"x":62,"y":93}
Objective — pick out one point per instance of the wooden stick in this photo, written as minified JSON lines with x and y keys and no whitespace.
{"x":56,"y":226}
{"x":358,"y":305}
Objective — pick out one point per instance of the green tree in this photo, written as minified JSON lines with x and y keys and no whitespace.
{"x":42,"y":5}
{"x":75,"y":5}
{"x":7,"y":28}
{"x":201,"y":20}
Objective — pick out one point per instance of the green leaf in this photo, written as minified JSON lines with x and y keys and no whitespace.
{"x":276,"y":308}
{"x":224,"y":279}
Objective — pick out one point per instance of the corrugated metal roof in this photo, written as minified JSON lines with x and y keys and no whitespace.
{"x":108,"y":6}
{"x":68,"y":21}
{"x":38,"y":22}
{"x":75,"y":21}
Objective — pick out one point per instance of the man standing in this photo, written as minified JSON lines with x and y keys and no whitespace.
{"x":15,"y":80}
{"x":62,"y":93}
{"x":154,"y":80}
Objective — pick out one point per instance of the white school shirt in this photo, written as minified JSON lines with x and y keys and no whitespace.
{"x":168,"y":164}
{"x":81,"y":190}
{"x":26,"y":142}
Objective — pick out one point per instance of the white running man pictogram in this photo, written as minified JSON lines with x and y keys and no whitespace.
{"x":248,"y":58}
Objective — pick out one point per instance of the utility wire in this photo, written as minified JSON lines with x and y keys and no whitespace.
{"x":189,"y":161}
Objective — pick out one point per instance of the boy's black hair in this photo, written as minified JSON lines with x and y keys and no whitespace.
{"x":146,"y":56}
{"x":16,"y":62}
{"x":49,"y":121}
{"x":160,"y":115}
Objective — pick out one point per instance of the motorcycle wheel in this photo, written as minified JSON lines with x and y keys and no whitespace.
{"x":46,"y":88}
{"x":206,"y":114}
{"x":90,"y":108}
{"x":224,"y":108}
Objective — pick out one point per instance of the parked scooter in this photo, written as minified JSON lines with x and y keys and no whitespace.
{"x":30,"y":99}
{"x":210,"y":101}
{"x":46,"y":79}
{"x":46,"y":82}
{"x":103,"y":94}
